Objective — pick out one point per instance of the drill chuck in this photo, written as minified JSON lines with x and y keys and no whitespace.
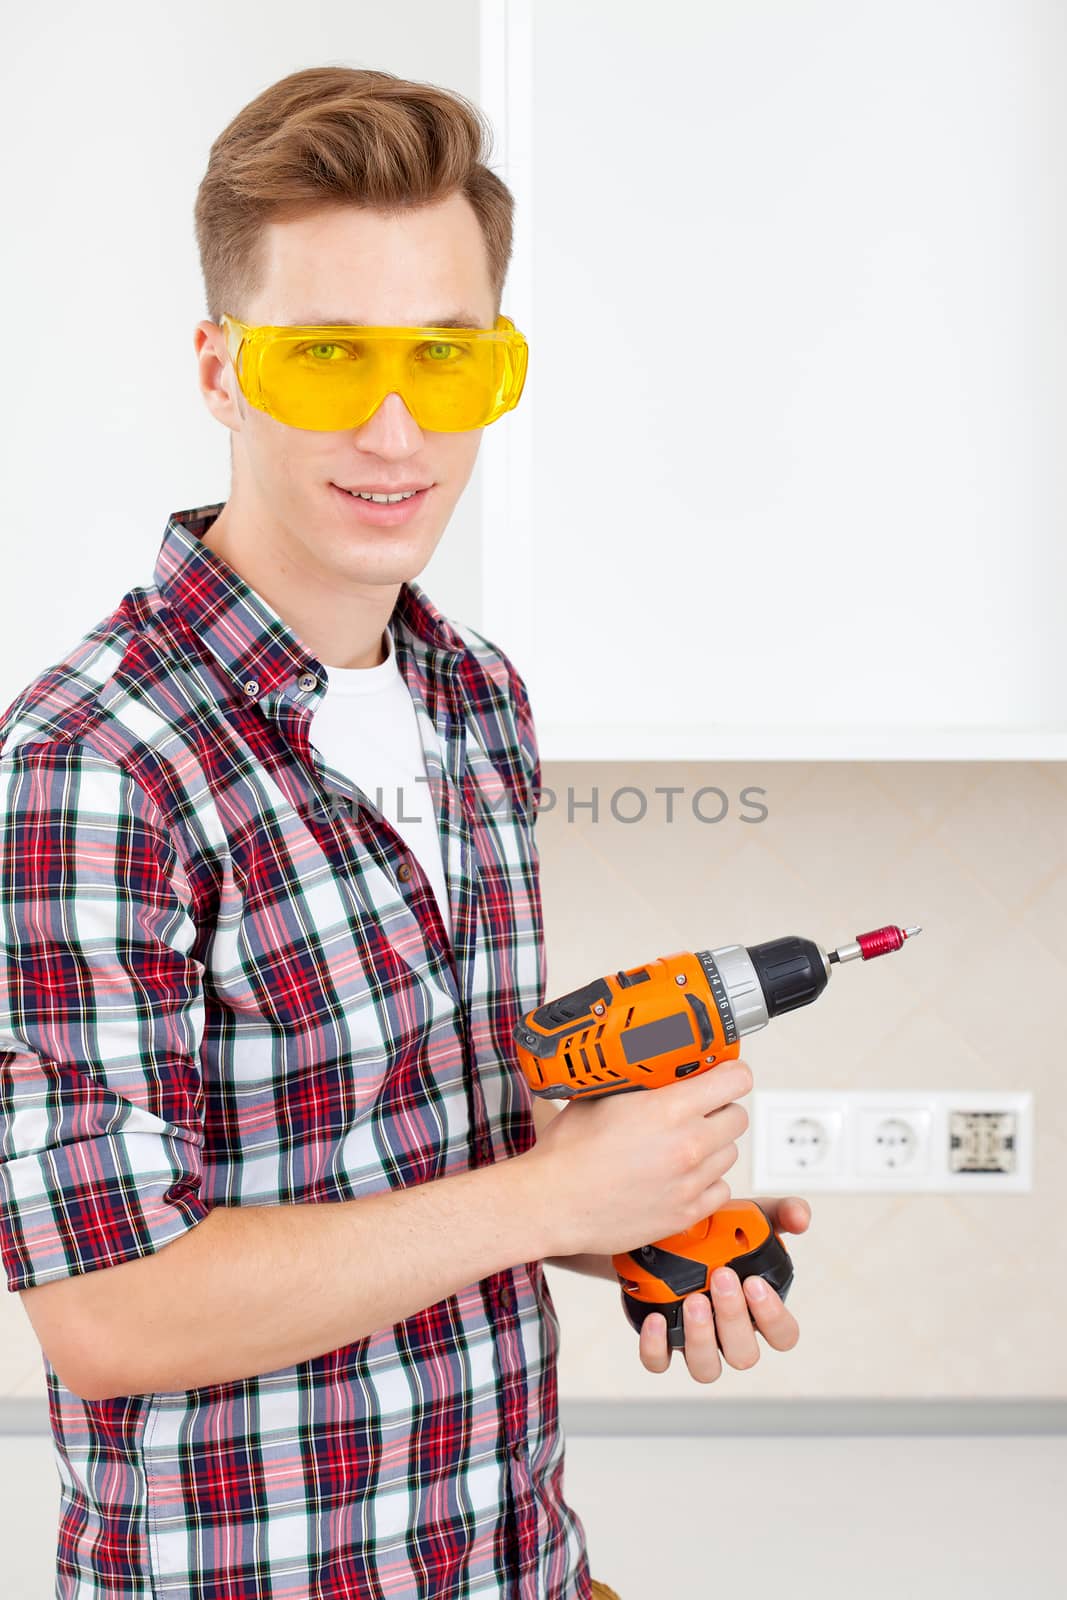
{"x":761,"y":981}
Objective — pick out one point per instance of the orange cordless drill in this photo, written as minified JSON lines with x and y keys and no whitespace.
{"x":651,"y":1025}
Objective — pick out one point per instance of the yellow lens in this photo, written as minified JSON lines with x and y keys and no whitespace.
{"x":326,"y":383}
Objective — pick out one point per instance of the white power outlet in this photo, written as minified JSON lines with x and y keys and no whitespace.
{"x":949,"y":1141}
{"x":807,"y":1141}
{"x":804,"y":1139}
{"x":890,"y":1141}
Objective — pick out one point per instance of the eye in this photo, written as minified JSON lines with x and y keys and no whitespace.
{"x":317,"y":352}
{"x":441,"y":351}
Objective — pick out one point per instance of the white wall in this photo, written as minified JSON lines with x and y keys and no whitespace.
{"x":107,"y":113}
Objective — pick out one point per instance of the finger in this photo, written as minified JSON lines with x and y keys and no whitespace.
{"x":795,"y":1214}
{"x":790,"y":1215}
{"x":701,"y":1351}
{"x":716,"y":1088}
{"x":653,"y":1348}
{"x":777,"y":1325}
{"x":736,"y":1333}
{"x":727,"y":1122}
{"x":713,"y":1166}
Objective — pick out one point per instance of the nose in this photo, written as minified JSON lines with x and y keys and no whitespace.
{"x":390,"y":430}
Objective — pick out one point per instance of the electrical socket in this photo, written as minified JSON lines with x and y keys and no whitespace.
{"x":807,"y":1141}
{"x":804,"y":1140}
{"x":890,"y":1141}
{"x":948,"y":1141}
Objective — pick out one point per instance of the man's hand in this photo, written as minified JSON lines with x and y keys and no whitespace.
{"x":733,"y":1304}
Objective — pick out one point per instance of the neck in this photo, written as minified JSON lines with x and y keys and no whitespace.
{"x":342,"y":622}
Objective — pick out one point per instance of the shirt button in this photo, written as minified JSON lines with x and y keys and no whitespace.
{"x":507,"y":1298}
{"x":518,"y":1449}
{"x":308,"y":681}
{"x":403,"y":872}
{"x":252,"y":687}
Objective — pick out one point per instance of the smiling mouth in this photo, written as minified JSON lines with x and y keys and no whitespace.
{"x":386,"y":513}
{"x":372,"y":494}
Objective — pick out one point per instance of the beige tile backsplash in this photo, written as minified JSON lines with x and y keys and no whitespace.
{"x":917,"y":1295}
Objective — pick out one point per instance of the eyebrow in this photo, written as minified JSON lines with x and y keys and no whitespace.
{"x":462,"y":319}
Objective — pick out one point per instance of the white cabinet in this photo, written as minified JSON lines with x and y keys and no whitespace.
{"x":786,"y":479}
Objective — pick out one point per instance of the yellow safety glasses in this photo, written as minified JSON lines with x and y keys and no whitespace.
{"x":450,"y":379}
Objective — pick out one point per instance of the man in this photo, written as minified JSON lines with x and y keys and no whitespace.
{"x":274,"y":1192}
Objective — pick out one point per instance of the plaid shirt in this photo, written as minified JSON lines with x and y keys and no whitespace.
{"x":226,"y":982}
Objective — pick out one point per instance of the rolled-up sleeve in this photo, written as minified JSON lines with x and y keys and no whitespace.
{"x":101,"y":1019}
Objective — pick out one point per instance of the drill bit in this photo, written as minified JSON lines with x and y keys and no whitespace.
{"x":877,"y":943}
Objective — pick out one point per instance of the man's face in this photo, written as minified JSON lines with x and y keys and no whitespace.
{"x":339,"y":265}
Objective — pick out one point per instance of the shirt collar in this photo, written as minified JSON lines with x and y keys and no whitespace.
{"x":247,"y":637}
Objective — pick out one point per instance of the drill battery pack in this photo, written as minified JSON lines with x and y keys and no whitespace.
{"x":658,"y":1277}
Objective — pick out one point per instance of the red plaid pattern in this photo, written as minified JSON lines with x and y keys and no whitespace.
{"x":215,"y":989}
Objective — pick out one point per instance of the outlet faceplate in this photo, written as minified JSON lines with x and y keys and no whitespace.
{"x":808,"y":1141}
{"x":951,"y":1141}
{"x":890,"y":1141}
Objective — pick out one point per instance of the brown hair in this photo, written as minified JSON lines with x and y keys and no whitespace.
{"x":328,"y":136}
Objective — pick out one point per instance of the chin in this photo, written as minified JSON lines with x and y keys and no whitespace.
{"x":383,"y":565}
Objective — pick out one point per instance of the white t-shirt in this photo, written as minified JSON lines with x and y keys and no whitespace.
{"x":365,"y":726}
